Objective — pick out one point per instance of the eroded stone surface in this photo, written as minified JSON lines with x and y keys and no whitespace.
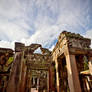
{"x":6,"y":59}
{"x":37,"y":68}
{"x":69,"y":54}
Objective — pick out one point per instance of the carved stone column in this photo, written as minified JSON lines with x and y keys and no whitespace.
{"x":15,"y":76}
{"x":51,"y":77}
{"x":37,"y":83}
{"x":57,"y":74}
{"x":47,"y":81}
{"x":28,"y":84}
{"x":23,"y":79}
{"x":90,"y":65}
{"x":73,"y":79}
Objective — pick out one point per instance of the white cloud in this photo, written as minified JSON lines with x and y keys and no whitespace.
{"x":10,"y":8}
{"x":52,"y":48}
{"x":6,"y":44}
{"x":89,"y":35}
{"x":45,"y":36}
{"x":41,"y":21}
{"x":10,"y":31}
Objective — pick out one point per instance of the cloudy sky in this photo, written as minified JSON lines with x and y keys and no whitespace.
{"x":41,"y":21}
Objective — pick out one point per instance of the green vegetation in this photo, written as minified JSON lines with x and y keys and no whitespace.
{"x":10,"y":60}
{"x":85,"y":63}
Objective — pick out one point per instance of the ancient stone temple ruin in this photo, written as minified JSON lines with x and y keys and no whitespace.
{"x":68,"y":68}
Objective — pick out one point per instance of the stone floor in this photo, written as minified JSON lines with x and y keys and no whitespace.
{"x":34,"y":90}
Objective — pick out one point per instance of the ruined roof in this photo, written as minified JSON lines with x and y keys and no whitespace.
{"x":37,"y":60}
{"x":31,"y":48}
{"x":72,"y":38}
{"x":6,"y":50}
{"x":72,"y":35}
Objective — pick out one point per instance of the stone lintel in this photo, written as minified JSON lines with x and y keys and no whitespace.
{"x":75,"y":51}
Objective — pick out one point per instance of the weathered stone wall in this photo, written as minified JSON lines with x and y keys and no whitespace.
{"x":6,"y":59}
{"x":28,"y":65}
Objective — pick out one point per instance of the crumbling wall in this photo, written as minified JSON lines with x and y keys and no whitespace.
{"x":26,"y":64}
{"x":6,"y":59}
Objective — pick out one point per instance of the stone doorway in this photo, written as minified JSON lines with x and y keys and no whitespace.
{"x":63,"y":76}
{"x":39,"y":81}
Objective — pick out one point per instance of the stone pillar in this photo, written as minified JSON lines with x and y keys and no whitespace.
{"x":73,"y":77}
{"x":23,"y":79}
{"x":90,"y":65}
{"x":87,"y":84}
{"x":33,"y":81}
{"x":57,"y":75}
{"x":37,"y":83}
{"x":16,"y":73}
{"x":51,"y":77}
{"x":28,"y":84}
{"x":47,"y":81}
